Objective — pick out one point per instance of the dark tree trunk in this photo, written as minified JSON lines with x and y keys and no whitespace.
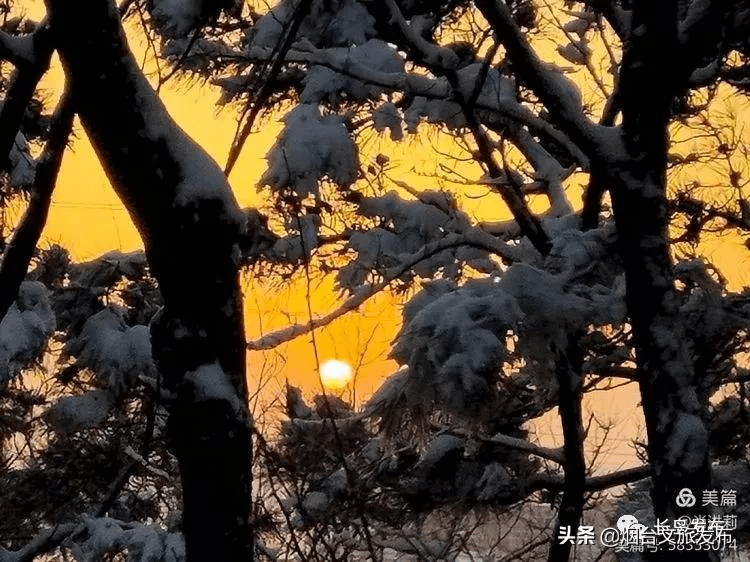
{"x":189,"y":222}
{"x":677,"y":435}
{"x":570,"y":382}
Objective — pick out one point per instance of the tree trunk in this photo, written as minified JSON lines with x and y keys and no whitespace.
{"x":189,"y":221}
{"x":677,"y":435}
{"x":570,"y":382}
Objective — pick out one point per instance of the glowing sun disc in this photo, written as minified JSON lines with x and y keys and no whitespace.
{"x":335,"y":374}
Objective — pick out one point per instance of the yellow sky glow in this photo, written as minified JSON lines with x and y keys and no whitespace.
{"x":87,"y":218}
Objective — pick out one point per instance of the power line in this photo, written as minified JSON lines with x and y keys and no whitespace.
{"x":99,"y":206}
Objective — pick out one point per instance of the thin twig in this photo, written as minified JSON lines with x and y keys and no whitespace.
{"x":350,"y":474}
{"x":261,"y":95}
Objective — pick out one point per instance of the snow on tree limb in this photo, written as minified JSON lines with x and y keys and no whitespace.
{"x":25,"y":329}
{"x":210,"y":382}
{"x":324,"y":83}
{"x":20,"y":91}
{"x":407,"y":227}
{"x":596,"y":483}
{"x":17,"y":255}
{"x":419,"y":85}
{"x":558,"y":94}
{"x":444,"y":60}
{"x":46,"y":541}
{"x":311,"y":146}
{"x":365,"y":292}
{"x":177,"y":17}
{"x":117,"y":354}
{"x":180,"y":166}
{"x":433,"y":55}
{"x":19,"y":50}
{"x":557,"y":455}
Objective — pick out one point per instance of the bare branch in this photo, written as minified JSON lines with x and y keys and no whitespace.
{"x":26,"y":236}
{"x":21,"y":89}
{"x":555,"y":455}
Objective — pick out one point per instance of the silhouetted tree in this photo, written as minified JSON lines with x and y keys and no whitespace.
{"x":513,"y":319}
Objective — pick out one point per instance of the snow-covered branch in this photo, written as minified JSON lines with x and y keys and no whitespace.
{"x":616,"y":17}
{"x":701,"y":42}
{"x":438,"y":60}
{"x":46,"y":541}
{"x":561,"y":97}
{"x":18,"y":49}
{"x":21,"y":88}
{"x":474,"y":238}
{"x":556,"y":455}
{"x":433,"y":55}
{"x":547,"y":170}
{"x":18,"y":255}
{"x":413,"y":84}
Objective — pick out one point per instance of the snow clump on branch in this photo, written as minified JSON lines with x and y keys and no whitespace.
{"x":408,"y":225}
{"x":177,"y":17}
{"x":105,"y":535}
{"x":311,"y":146}
{"x":322,"y":83}
{"x":455,"y":340}
{"x":334,"y":24}
{"x":117,"y":354}
{"x":25,"y":329}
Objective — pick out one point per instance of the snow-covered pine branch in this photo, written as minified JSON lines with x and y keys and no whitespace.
{"x":363,"y":292}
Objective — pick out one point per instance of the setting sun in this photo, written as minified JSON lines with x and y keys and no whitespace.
{"x":335,"y":374}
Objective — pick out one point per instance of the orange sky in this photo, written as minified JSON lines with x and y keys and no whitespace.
{"x":87,"y":218}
